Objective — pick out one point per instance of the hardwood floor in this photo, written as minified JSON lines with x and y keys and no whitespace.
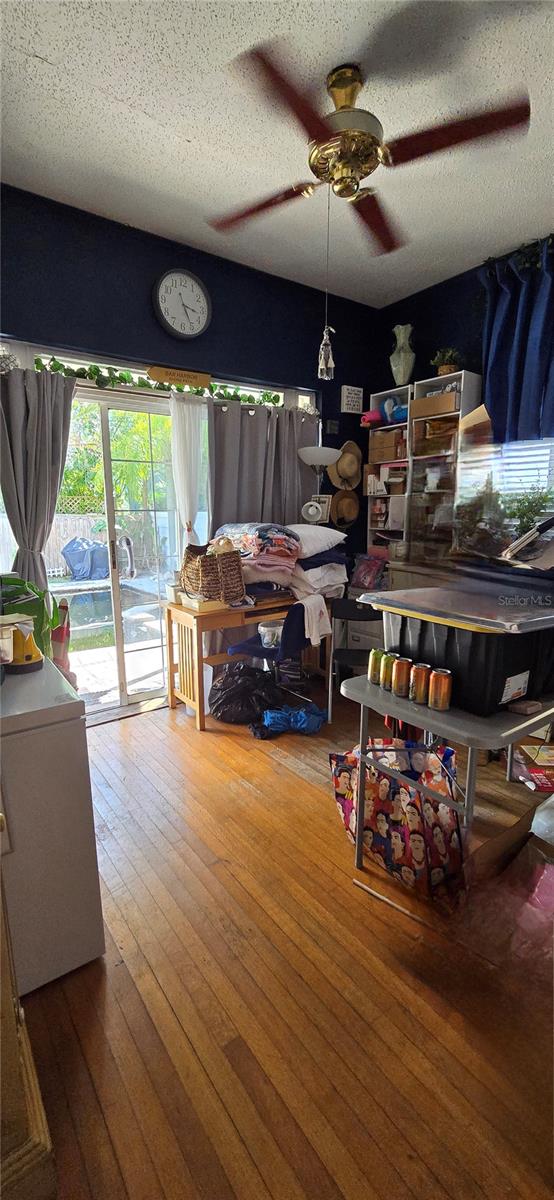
{"x":259,"y":1028}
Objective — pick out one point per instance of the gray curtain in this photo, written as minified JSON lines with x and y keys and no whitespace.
{"x":34,"y":428}
{"x":256,"y":474}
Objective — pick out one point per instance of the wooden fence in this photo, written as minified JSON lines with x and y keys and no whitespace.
{"x":65,"y":527}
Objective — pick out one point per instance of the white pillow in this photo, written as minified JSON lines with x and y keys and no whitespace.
{"x":315,"y":539}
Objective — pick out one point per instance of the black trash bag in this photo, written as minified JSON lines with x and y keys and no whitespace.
{"x":242,"y":693}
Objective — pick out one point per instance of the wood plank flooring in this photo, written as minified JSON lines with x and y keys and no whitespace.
{"x":259,"y":1028}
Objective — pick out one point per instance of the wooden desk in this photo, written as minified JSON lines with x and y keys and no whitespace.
{"x":191,"y":627}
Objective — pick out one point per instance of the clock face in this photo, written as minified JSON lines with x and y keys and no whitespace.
{"x":182,"y":304}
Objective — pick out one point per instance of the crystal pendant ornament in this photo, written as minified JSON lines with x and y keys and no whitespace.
{"x":326,"y":364}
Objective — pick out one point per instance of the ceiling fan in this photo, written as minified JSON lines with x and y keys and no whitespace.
{"x":347,"y":146}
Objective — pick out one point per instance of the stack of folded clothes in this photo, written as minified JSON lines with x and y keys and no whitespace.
{"x":304,"y":559}
{"x":329,"y":580}
{"x":321,"y":564}
{"x":268,"y":551}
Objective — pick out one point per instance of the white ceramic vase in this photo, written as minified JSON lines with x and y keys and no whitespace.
{"x":402,"y":358}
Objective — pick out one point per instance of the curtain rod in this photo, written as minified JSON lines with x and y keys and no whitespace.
{"x":529,"y":252}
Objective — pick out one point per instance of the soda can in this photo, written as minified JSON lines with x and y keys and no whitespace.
{"x":374,"y":665}
{"x":385,"y":678}
{"x":419,"y":683}
{"x":440,"y":689}
{"x":401,"y":668}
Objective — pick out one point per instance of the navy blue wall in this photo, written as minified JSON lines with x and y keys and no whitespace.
{"x":448,"y":314}
{"x":78,"y":282}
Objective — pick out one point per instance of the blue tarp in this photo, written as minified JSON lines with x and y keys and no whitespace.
{"x":86,"y":559}
{"x":307,"y":719}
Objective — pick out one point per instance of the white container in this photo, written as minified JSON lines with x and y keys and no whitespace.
{"x":270,"y":634}
{"x":208,"y":680}
{"x":6,"y":643}
{"x":172,"y":592}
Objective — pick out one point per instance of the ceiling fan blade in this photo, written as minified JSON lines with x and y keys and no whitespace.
{"x":223,"y":224}
{"x":277,"y":82}
{"x":454,"y":133}
{"x":370,"y":210}
{"x":421,"y":39}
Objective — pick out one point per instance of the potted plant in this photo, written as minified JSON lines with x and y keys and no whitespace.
{"x":19,"y":596}
{"x":447,"y":361}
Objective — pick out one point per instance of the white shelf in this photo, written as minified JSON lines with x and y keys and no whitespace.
{"x":389,"y":462}
{"x":469,"y":390}
{"x":393,"y":391}
{"x":386,"y":425}
{"x":469,"y":398}
{"x":439,"y":417}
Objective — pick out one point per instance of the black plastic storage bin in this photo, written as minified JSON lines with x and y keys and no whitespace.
{"x":481,"y":663}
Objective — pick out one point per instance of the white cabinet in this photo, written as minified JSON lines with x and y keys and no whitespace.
{"x":49,"y":865}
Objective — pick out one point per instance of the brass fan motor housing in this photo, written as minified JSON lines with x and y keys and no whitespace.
{"x":356,"y":148}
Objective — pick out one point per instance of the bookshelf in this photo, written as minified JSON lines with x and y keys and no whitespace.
{"x":411,"y":473}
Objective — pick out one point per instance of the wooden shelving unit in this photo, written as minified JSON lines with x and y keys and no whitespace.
{"x":430,"y":479}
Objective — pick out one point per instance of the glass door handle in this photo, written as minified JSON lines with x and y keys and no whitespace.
{"x":126,"y":544}
{"x":113,"y":554}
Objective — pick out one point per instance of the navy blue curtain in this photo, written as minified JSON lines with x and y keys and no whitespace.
{"x":518,"y":344}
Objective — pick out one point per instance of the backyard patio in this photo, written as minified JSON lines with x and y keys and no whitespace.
{"x":96,"y":673}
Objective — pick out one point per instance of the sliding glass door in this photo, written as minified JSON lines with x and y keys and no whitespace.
{"x":115,"y":542}
{"x":144,"y":541}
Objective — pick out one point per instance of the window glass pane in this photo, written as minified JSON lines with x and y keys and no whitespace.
{"x":164,"y":489}
{"x":129,"y":435}
{"x":169,"y":540}
{"x":141,"y":529}
{"x":160,"y":429}
{"x":141,"y":619}
{"x":132,"y":485}
{"x":82,"y":489}
{"x":8,"y":544}
{"x":144,"y":669}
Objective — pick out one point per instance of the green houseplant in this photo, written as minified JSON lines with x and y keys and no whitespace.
{"x":18,"y":596}
{"x":447,"y":361}
{"x":527,"y":507}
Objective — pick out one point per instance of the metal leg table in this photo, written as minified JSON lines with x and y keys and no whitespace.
{"x":502,"y":730}
{"x":360,"y":799}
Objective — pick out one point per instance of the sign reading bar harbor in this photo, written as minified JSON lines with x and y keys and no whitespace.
{"x":351,"y":399}
{"x":174,"y":375}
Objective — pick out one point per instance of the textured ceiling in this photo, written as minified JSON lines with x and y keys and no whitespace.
{"x":131,"y":110}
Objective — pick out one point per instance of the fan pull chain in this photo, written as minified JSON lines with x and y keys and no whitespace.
{"x":326,"y":364}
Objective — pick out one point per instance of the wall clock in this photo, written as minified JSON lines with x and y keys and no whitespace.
{"x":182,"y":304}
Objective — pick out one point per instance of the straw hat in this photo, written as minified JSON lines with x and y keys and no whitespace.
{"x":345,"y":508}
{"x":347,"y":471}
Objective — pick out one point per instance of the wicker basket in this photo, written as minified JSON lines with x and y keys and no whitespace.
{"x":212,"y":576}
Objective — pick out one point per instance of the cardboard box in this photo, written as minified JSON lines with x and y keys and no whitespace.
{"x":476,"y":427}
{"x":431,"y":406}
{"x":384,"y":445}
{"x":485,"y":857}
